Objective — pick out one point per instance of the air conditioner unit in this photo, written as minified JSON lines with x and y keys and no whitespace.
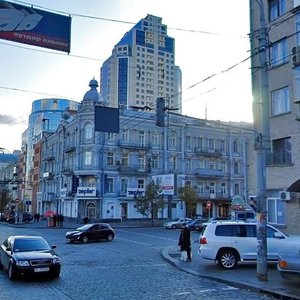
{"x":286,"y":196}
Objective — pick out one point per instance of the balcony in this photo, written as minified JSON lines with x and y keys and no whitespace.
{"x":133,"y":170}
{"x":69,"y":149}
{"x":67,"y":171}
{"x":134,"y":146}
{"x":210,"y":173}
{"x":208,"y":152}
{"x":216,"y":196}
{"x":49,"y":157}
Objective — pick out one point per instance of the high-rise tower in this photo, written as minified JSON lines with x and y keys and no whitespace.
{"x":142,"y":68}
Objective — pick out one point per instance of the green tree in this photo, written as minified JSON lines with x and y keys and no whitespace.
{"x":189,"y":196}
{"x":151,"y":202}
{"x":5,"y":198}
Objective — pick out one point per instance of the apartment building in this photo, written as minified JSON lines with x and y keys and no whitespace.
{"x":275,"y":33}
{"x":142,"y":68}
{"x":84,"y":172}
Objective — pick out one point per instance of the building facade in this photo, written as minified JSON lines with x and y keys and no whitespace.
{"x":45,"y":117}
{"x":275,"y":35}
{"x":96,"y":174}
{"x":142,"y":68}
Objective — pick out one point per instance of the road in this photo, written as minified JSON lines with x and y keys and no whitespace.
{"x":130,"y":267}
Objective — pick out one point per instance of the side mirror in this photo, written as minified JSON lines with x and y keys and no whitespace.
{"x":278,"y":235}
{"x":53,"y":247}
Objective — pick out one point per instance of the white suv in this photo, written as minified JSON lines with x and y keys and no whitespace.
{"x":230,"y":242}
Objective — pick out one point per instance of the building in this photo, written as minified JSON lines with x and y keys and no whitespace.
{"x":275,"y":37}
{"x":142,"y":68}
{"x":96,"y":174}
{"x":44,"y":118}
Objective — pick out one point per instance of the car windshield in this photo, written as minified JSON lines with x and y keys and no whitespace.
{"x":84,"y":227}
{"x":23,"y":245}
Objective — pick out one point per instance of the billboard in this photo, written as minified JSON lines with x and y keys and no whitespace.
{"x":106,"y":119}
{"x":166,"y":182}
{"x":33,"y":26}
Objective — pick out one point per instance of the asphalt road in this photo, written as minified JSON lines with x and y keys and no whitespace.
{"x":130,"y":267}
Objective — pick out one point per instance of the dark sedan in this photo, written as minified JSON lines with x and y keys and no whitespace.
{"x":27,"y":256}
{"x":195,"y":225}
{"x":91,"y":232}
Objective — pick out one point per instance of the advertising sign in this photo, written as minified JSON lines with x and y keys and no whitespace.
{"x":166,"y":182}
{"x":131,"y":192}
{"x":33,"y":26}
{"x":86,"y":192}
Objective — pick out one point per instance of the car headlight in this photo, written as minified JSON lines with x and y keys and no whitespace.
{"x":56,"y":260}
{"x":23,"y":263}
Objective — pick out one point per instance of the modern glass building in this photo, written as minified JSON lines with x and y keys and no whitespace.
{"x":142,"y":68}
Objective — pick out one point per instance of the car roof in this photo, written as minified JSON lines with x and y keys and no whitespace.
{"x":28,"y":237}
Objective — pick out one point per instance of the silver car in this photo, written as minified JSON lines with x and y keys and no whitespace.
{"x":176,"y":223}
{"x":289,"y":265}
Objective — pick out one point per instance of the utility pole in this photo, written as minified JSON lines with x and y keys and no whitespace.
{"x":262,"y":139}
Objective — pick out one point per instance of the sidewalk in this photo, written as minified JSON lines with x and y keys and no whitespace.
{"x":245,"y":276}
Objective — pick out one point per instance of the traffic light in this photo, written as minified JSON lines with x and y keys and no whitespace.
{"x":160,"y":112}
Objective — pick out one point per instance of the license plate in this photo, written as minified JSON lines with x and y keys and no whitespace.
{"x":41,"y":269}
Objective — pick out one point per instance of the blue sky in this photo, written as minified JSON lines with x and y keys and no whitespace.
{"x":210,"y":37}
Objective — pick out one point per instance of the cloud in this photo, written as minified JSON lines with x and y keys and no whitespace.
{"x":11,"y":120}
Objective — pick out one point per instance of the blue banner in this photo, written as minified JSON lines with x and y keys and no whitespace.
{"x":36,"y":27}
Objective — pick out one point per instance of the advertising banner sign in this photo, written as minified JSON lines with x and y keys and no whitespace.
{"x":166,"y":182}
{"x":33,"y":26}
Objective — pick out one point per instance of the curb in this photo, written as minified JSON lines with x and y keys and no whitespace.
{"x":182,"y":266}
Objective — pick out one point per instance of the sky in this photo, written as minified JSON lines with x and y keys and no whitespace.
{"x":211,"y":49}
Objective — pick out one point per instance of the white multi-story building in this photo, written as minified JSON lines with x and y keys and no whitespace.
{"x":275,"y":27}
{"x":84,"y":172}
{"x":142,"y":68}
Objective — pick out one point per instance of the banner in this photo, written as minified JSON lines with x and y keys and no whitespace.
{"x":36,"y":27}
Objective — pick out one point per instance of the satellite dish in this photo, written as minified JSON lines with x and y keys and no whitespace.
{"x":66,"y":115}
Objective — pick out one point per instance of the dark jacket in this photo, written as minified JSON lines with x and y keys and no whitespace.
{"x":184,"y":238}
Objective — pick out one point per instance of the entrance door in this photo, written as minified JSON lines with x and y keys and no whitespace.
{"x":91,"y":211}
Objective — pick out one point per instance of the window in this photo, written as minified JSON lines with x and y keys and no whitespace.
{"x":280,"y":101}
{"x":124,"y":185}
{"x":236,"y":189}
{"x":88,"y":131}
{"x":141,"y":183}
{"x":174,"y":163}
{"x":222,"y":146}
{"x":223,"y":188}
{"x":155,"y":139}
{"x":212,"y":188}
{"x":236,"y":168}
{"x":141,"y":160}
{"x":188,"y":142}
{"x":276,"y":9}
{"x":110,"y":158}
{"x":154,"y":162}
{"x":110,"y":185}
{"x":297,"y":81}
{"x":173,"y":139}
{"x":200,"y":187}
{"x":279,"y":53}
{"x":235,"y":146}
{"x":87,"y":158}
{"x":298,"y":28}
{"x":276,"y":213}
{"x":141,"y":138}
{"x":188,"y":164}
{"x":125,"y":160}
{"x":282,"y":149}
{"x":211,"y":144}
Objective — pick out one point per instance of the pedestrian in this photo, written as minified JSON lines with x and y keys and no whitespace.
{"x":61,"y":220}
{"x":185,"y":241}
{"x":54,"y":220}
{"x":38,"y":217}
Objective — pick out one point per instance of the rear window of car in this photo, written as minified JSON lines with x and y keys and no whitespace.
{"x":239,"y":230}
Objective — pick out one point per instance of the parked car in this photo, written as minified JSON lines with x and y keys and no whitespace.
{"x":289,"y":265}
{"x":174,"y":224}
{"x":195,"y":225}
{"x":28,"y":255}
{"x":25,"y":218}
{"x":230,"y":242}
{"x":91,"y":232}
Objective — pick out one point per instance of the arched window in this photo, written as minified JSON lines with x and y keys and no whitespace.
{"x":88,"y":131}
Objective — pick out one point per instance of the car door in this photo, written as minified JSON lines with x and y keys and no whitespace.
{"x":248,"y":242}
{"x":5,"y":255}
{"x":94,"y":233}
{"x":276,"y":243}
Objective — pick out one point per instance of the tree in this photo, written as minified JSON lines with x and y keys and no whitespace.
{"x":5,"y":198}
{"x":151,"y":202}
{"x":189,"y":196}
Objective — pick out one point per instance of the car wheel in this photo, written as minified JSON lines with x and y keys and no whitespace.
{"x":56,"y":273}
{"x":109,"y":238}
{"x":1,"y":266}
{"x":228,"y":259}
{"x":173,"y":227}
{"x":84,"y":239}
{"x":11,"y":272}
{"x":26,"y":221}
